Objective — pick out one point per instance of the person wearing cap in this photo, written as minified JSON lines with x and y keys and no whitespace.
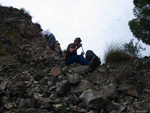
{"x":71,"y":53}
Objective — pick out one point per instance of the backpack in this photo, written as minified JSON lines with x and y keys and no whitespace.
{"x":91,"y":56}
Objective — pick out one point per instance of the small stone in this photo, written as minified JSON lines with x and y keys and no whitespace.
{"x":81,"y":69}
{"x":1,"y":68}
{"x":57,"y":107}
{"x":52,"y":88}
{"x":10,"y":105}
{"x":110,"y":107}
{"x":55,"y":71}
{"x":83,"y":110}
{"x":102,"y":69}
{"x":63,"y":87}
{"x":64,"y":69}
{"x":43,"y":59}
{"x":90,"y":111}
{"x":73,"y":79}
{"x":114,"y":111}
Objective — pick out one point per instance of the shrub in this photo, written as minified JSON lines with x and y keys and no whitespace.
{"x":26,"y":13}
{"x":132,"y":49}
{"x":115,"y":53}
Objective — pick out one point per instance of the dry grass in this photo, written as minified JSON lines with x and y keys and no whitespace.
{"x":115,"y":53}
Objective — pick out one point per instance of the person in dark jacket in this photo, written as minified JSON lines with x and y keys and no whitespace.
{"x":72,"y":57}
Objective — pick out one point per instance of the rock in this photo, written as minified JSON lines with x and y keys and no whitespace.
{"x":146,"y":106}
{"x":1,"y":68}
{"x":110,"y":107}
{"x":81,"y":69}
{"x":55,"y":71}
{"x":43,"y":59}
{"x":114,"y":111}
{"x":112,"y":80}
{"x":102,"y":69}
{"x":73,"y":78}
{"x":93,"y":99}
{"x":82,"y":86}
{"x":129,"y":99}
{"x":110,"y":91}
{"x":90,"y":111}
{"x":83,"y":110}
{"x":50,"y":58}
{"x":38,"y":76}
{"x":128,"y":89}
{"x":64,"y":69}
{"x":10,"y":105}
{"x":31,"y":110}
{"x":63,"y":87}
{"x":42,"y":99}
{"x":4,"y":84}
{"x":57,"y":107}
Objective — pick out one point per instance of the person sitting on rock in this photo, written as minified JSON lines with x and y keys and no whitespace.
{"x":48,"y":40}
{"x":72,"y":57}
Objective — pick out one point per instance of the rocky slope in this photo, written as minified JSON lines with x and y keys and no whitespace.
{"x":15,"y":26}
{"x":32,"y":81}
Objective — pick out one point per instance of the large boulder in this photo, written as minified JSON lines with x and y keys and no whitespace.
{"x":93,"y":99}
{"x":81,"y":87}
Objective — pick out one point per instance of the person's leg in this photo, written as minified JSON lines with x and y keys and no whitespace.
{"x":51,"y":42}
{"x":72,"y":60}
{"x":78,"y":59}
{"x":83,"y":61}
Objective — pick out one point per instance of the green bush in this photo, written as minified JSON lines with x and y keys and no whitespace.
{"x":132,"y":49}
{"x":115,"y":53}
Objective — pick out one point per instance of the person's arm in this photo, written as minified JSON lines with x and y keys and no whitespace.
{"x":73,"y":49}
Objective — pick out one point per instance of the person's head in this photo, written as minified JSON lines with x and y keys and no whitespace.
{"x":77,"y":41}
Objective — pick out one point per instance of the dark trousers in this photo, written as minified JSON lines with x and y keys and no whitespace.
{"x":78,"y":59}
{"x":52,"y":41}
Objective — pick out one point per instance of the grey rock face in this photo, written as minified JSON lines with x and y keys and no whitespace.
{"x":82,"y":86}
{"x":63,"y":87}
{"x":93,"y":99}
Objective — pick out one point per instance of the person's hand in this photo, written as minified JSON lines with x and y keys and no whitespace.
{"x":80,"y":45}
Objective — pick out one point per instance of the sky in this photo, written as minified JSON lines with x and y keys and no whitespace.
{"x":97,"y":22}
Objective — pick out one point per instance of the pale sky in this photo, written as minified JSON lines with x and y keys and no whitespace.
{"x":97,"y":22}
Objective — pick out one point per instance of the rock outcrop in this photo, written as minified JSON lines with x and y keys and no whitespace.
{"x":15,"y":25}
